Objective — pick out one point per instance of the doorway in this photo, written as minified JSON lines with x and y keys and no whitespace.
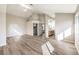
{"x":51,"y":28}
{"x":35,"y":28}
{"x":77,"y":31}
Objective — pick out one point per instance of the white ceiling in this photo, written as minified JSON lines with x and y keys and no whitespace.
{"x":49,"y":9}
{"x":18,"y":10}
{"x":57,"y":8}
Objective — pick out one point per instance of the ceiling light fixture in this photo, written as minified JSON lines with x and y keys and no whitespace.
{"x":26,"y":6}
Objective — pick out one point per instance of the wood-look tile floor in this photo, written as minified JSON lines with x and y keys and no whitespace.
{"x":23,"y":45}
{"x":63,"y":48}
{"x":29,"y":45}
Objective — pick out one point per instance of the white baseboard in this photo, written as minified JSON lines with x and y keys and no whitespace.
{"x":13,"y":35}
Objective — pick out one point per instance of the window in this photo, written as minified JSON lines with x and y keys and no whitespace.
{"x":51,"y":23}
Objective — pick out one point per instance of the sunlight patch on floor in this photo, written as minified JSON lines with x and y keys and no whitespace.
{"x":47,"y":48}
{"x":50,"y":47}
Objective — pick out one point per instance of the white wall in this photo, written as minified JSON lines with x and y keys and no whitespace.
{"x":2,"y":24}
{"x":19,"y":26}
{"x":15,"y":25}
{"x":29,"y":28}
{"x":64,"y":21}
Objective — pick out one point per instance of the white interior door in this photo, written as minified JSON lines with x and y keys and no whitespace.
{"x":77,"y":31}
